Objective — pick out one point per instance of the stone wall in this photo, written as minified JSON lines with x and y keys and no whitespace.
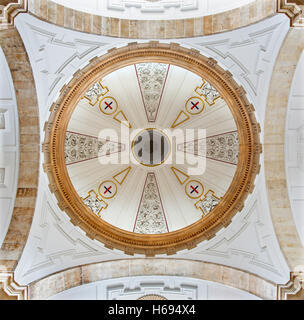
{"x":274,"y":140}
{"x":21,"y":221}
{"x":58,"y":282}
{"x":152,"y":29}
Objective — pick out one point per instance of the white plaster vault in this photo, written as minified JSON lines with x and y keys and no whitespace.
{"x":55,"y":244}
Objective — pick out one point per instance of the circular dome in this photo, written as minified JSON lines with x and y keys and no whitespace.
{"x":152,"y":148}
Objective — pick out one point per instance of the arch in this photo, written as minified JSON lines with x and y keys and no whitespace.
{"x":274,"y":136}
{"x":24,"y":207}
{"x":152,"y":29}
{"x":73,"y":277}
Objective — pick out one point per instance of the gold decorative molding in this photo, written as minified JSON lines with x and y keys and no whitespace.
{"x":9,"y":11}
{"x":178,"y":174}
{"x":12,"y":288}
{"x":294,"y":10}
{"x":178,"y":119}
{"x":293,"y":289}
{"x":188,"y":237}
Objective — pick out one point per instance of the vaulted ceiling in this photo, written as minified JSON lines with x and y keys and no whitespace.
{"x":149,"y":196}
{"x":160,"y":96}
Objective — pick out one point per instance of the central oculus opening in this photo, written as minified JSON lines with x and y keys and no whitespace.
{"x":151,"y":147}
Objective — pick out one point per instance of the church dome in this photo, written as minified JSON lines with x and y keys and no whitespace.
{"x":152,"y":152}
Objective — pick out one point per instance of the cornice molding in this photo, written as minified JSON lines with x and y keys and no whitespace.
{"x":294,"y":12}
{"x":293,"y":288}
{"x":292,"y":9}
{"x":10,"y":11}
{"x":11,"y":287}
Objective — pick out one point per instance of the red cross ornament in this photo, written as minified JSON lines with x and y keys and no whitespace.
{"x":194,"y":189}
{"x":107,"y":189}
{"x":108,"y":105}
{"x":195,"y":105}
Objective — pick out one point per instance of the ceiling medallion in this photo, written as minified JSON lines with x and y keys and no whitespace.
{"x":151,"y":206}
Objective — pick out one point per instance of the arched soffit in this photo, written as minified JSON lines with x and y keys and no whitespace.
{"x":61,"y":281}
{"x":274,"y":137}
{"x":18,"y":62}
{"x":152,"y":29}
{"x":154,"y":288}
{"x":154,"y":9}
{"x":188,"y":237}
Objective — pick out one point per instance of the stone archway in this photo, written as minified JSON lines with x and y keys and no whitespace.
{"x":29,"y":131}
{"x":73,"y":277}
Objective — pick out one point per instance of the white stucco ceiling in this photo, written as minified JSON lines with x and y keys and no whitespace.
{"x":248,"y":243}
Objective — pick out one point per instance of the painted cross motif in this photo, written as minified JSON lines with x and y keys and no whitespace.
{"x":108,"y":105}
{"x":107,"y":189}
{"x":195,"y":105}
{"x":194,"y":189}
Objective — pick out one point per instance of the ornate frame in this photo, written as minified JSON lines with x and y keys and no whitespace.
{"x":188,"y":237}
